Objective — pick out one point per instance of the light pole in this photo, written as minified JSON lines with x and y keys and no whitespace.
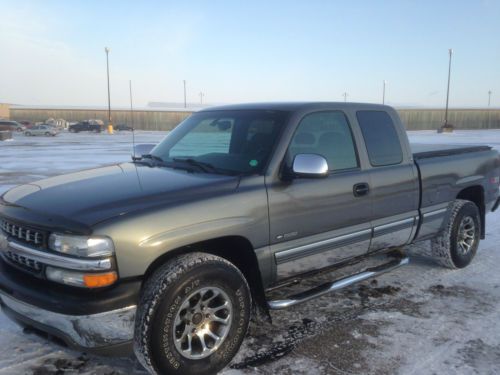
{"x":489,"y":98}
{"x":201,"y":97}
{"x":383,"y":92}
{"x":110,"y":126}
{"x":345,"y":96}
{"x":184,"y":81}
{"x":131,"y":106}
{"x":450,"y":51}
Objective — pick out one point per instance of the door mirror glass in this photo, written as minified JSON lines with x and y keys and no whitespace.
{"x":310,"y":165}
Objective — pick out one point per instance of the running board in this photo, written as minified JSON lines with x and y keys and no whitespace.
{"x":336,"y":285}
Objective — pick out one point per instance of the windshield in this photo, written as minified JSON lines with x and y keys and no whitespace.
{"x":228,"y":142}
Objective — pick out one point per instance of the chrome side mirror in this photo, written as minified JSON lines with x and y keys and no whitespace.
{"x":142,"y":149}
{"x":310,"y":165}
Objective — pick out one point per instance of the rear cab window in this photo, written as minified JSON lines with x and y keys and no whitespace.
{"x":381,"y":138}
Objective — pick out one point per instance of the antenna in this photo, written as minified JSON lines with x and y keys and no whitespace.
{"x":132,"y":120}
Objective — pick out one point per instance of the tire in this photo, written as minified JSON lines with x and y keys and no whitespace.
{"x":457,"y":245}
{"x":171,"y":304}
{"x":47,"y":134}
{"x":28,"y":134}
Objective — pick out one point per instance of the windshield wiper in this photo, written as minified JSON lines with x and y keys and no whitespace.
{"x":205,"y":167}
{"x":156,"y":159}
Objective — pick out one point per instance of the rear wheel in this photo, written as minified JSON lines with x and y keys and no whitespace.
{"x":193,"y":315}
{"x":457,"y":245}
{"x":47,"y":134}
{"x":27,"y":134}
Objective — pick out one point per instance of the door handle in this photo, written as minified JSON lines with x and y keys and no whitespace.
{"x":360,"y":189}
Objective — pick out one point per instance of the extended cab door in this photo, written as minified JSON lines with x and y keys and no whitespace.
{"x":394,"y":188}
{"x":317,"y":222}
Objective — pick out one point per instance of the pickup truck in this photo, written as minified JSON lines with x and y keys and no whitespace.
{"x":171,"y":254}
{"x":87,"y":126}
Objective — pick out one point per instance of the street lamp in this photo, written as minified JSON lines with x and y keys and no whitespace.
{"x":110,"y":126}
{"x":383,"y":92}
{"x":450,"y":51}
{"x":201,"y":97}
{"x":184,"y":81}
{"x":345,"y":94}
{"x":489,"y":98}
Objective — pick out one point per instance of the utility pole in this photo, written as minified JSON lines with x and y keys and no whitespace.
{"x":131,"y":106}
{"x":450,"y":51}
{"x":201,"y":97}
{"x":383,"y":92}
{"x":489,"y":98}
{"x":185,"y":105}
{"x":110,"y":126}
{"x":345,"y":94}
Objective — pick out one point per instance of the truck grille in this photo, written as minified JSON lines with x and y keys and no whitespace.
{"x":22,"y":233}
{"x":23,"y":262}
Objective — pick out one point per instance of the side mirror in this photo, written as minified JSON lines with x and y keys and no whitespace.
{"x":310,"y":166}
{"x":142,"y":149}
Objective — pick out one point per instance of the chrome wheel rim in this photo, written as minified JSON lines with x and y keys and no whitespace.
{"x":466,"y":235}
{"x":202,"y":322}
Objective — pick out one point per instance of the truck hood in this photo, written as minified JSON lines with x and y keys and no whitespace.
{"x":92,"y":196}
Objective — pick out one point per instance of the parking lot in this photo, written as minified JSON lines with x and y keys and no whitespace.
{"x":420,"y":319}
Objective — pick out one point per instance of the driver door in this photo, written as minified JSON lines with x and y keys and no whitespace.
{"x":318,"y":222}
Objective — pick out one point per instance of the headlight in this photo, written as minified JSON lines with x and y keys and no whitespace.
{"x":88,"y":247}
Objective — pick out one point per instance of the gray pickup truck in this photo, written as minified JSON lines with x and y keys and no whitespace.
{"x":171,"y":254}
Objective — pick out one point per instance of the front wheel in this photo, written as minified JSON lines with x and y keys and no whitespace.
{"x":457,"y":245}
{"x":193,"y":315}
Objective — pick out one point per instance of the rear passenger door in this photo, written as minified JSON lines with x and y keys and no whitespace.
{"x":394,"y":186}
{"x":317,"y":222}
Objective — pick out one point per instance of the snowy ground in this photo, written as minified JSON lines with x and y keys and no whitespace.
{"x":421,"y":319}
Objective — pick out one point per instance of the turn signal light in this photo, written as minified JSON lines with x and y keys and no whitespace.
{"x":99,"y":280}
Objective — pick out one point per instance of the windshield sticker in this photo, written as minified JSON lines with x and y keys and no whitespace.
{"x":253,"y":163}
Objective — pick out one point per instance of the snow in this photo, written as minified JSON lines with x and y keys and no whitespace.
{"x":419,"y":319}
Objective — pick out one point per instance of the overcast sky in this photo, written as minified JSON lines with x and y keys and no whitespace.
{"x":52,"y":52}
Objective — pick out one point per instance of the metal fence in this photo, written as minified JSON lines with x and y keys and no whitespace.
{"x":414,"y":119}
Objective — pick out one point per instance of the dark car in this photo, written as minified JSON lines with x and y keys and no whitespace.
{"x":86,"y":126}
{"x":123,"y":127}
{"x":11,"y":126}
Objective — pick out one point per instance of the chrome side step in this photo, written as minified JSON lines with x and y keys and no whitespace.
{"x":336,"y":285}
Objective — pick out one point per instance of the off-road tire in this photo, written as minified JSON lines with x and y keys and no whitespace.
{"x":444,"y":248}
{"x":161,"y":299}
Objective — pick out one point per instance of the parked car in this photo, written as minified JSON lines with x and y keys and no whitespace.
{"x":123,"y":127}
{"x":12,"y":126}
{"x":46,"y":130}
{"x":202,"y":234}
{"x":27,"y":124}
{"x":88,"y":126}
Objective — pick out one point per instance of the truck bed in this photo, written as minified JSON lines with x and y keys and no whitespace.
{"x":423,"y":151}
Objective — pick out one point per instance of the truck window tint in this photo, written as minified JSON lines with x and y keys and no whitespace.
{"x":327,"y":134}
{"x":381,"y":139}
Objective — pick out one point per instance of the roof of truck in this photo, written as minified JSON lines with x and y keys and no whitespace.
{"x":296,"y":106}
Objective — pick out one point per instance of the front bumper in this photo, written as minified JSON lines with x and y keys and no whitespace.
{"x":105,"y":333}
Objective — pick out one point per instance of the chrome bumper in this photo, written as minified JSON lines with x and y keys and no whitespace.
{"x":92,"y":332}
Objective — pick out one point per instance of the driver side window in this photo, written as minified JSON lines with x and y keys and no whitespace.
{"x":327,"y":134}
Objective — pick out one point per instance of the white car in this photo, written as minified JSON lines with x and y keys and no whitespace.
{"x":42,"y":130}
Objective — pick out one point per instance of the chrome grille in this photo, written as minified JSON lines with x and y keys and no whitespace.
{"x":23,"y":233}
{"x":23,"y":261}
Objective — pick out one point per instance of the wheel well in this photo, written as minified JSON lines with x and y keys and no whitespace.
{"x":236,"y":249}
{"x":475,"y":194}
